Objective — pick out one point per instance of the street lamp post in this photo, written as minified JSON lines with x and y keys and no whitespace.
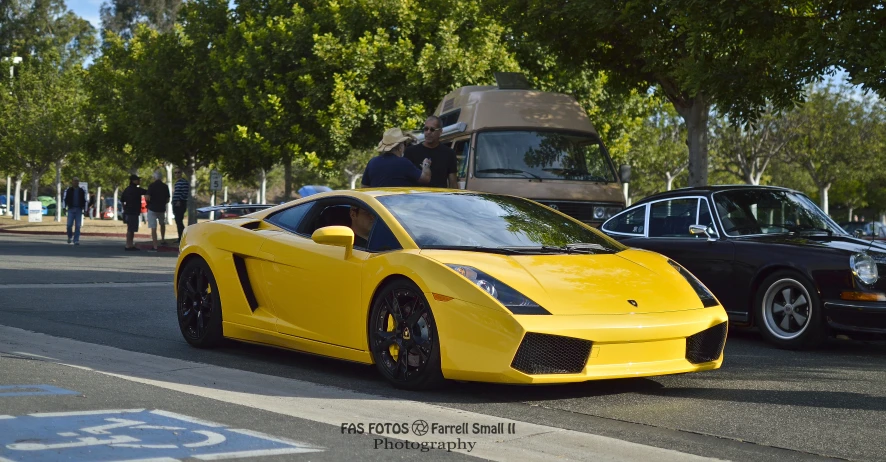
{"x":14,"y":211}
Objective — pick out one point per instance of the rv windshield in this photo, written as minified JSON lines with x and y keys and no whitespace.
{"x":542,"y":155}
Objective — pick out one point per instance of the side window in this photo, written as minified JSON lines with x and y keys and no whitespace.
{"x":705,"y":219}
{"x":462,"y":150}
{"x":290,"y":218}
{"x":630,"y":222}
{"x":671,"y":218}
{"x":382,"y":239}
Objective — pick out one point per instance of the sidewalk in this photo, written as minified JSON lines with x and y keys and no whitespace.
{"x":90,"y":228}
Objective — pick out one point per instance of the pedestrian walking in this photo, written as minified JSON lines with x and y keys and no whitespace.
{"x":75,"y":202}
{"x":390,"y":168}
{"x":444,"y":163}
{"x":132,"y":205}
{"x":180,"y":201}
{"x":159,"y":194}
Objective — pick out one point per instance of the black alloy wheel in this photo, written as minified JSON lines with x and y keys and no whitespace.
{"x":199,"y":305}
{"x":403,"y":337}
{"x":789,"y":313}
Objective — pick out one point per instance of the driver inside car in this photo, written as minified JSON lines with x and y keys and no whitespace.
{"x":361,"y":222}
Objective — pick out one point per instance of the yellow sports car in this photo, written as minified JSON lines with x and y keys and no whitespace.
{"x":432,"y":284}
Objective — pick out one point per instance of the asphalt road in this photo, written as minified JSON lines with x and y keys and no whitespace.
{"x":763,"y":404}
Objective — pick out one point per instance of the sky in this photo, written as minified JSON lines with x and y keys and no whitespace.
{"x":87,"y":9}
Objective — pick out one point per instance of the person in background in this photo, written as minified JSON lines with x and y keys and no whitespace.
{"x":180,"y":201}
{"x":75,"y":202}
{"x":444,"y":170}
{"x":390,"y":168}
{"x":159,"y":194}
{"x":132,"y":198}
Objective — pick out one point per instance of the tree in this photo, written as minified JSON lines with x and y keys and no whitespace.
{"x":121,"y":17}
{"x":747,"y":151}
{"x":835,"y":134}
{"x":732,"y":55}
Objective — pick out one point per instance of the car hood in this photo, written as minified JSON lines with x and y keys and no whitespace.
{"x":581,"y":284}
{"x":848,"y":244}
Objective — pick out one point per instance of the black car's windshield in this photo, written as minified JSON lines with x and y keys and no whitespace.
{"x":542,"y":155}
{"x":484,"y":221}
{"x":766,"y":211}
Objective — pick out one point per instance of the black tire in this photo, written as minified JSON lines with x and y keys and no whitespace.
{"x":401,"y":318}
{"x":789,"y":312}
{"x":198,"y":305}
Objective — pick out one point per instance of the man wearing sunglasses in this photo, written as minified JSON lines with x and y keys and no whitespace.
{"x":444,"y":164}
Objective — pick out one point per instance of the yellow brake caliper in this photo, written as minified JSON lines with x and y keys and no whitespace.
{"x":394,"y":350}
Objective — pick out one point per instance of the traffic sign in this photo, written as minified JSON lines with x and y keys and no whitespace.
{"x":215,"y":181}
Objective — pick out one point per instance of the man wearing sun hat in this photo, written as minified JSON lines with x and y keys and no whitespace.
{"x":390,"y":168}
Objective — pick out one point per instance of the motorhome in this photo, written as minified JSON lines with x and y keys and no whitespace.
{"x":511,"y":139}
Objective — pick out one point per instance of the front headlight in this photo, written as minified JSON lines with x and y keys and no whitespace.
{"x":514,"y":301}
{"x":864,"y":268}
{"x":707,"y":298}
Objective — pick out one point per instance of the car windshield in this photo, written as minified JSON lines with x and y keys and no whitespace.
{"x":542,"y":155}
{"x":765,"y":211}
{"x":487,"y":221}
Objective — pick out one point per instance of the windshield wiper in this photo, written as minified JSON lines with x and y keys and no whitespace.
{"x":477,"y":248}
{"x":568,"y":248}
{"x":801,"y":228}
{"x":508,"y":170}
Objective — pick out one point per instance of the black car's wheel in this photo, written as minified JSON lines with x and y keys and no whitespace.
{"x":199,"y":305}
{"x":403,"y":337}
{"x":789,"y":312}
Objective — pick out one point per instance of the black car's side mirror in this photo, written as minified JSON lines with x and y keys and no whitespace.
{"x":697,"y":230}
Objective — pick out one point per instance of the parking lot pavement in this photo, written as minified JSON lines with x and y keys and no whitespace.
{"x":51,"y":412}
{"x":763,"y":404}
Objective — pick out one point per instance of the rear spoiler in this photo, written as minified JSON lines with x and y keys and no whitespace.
{"x":253,"y":207}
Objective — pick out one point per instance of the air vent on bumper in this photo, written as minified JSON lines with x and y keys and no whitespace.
{"x":551,"y":354}
{"x":707,"y":345}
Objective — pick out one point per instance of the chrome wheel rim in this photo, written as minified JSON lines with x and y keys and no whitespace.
{"x":195,"y":303}
{"x":787,"y":309}
{"x":402,"y":335}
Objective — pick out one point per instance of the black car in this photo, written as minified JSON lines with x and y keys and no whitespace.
{"x":770,"y":255}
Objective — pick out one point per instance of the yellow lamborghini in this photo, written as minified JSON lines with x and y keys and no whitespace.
{"x":434,"y":284}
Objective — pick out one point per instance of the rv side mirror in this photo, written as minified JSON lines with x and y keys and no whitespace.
{"x":624,"y":172}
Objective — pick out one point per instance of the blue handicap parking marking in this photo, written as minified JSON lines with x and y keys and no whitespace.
{"x":132,"y":434}
{"x":33,"y":390}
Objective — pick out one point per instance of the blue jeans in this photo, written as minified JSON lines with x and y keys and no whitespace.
{"x":74,"y":215}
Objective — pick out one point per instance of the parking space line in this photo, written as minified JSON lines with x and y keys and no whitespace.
{"x":86,"y":285}
{"x":2,"y":417}
{"x":256,"y":453}
{"x":66,"y":414}
{"x":186,"y":418}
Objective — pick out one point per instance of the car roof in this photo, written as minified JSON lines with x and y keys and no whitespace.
{"x":706,"y":190}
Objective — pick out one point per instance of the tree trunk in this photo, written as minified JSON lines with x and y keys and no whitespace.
{"x":669,"y":180}
{"x":116,"y":211}
{"x":212,"y":204}
{"x":8,"y":195}
{"x":850,"y":214}
{"x":171,"y":186}
{"x":17,"y":210}
{"x":263,"y":198}
{"x":287,"y":177}
{"x":35,"y":184}
{"x":225,"y":197}
{"x":883,"y":218}
{"x":354,"y":179}
{"x":696,"y":117}
{"x":58,"y":191}
{"x":99,"y":203}
{"x":823,"y":192}
{"x":192,"y":197}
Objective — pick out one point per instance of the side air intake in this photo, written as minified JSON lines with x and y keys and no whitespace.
{"x":240,"y":264}
{"x":707,"y":345}
{"x":551,"y":354}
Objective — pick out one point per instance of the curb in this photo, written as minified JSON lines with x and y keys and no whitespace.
{"x":64,"y":233}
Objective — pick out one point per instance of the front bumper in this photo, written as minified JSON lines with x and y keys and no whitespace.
{"x":856,"y":316}
{"x":482,"y":344}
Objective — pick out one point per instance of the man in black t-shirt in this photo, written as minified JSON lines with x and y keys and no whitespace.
{"x":444,"y":164}
{"x":132,"y":208}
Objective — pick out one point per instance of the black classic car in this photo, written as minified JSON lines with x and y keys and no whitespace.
{"x":770,"y":255}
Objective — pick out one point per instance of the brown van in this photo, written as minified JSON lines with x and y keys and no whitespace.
{"x":513,"y":140}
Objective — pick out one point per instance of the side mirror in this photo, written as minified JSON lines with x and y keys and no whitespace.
{"x":624,"y":172}
{"x":696,"y":230}
{"x":340,"y":236}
